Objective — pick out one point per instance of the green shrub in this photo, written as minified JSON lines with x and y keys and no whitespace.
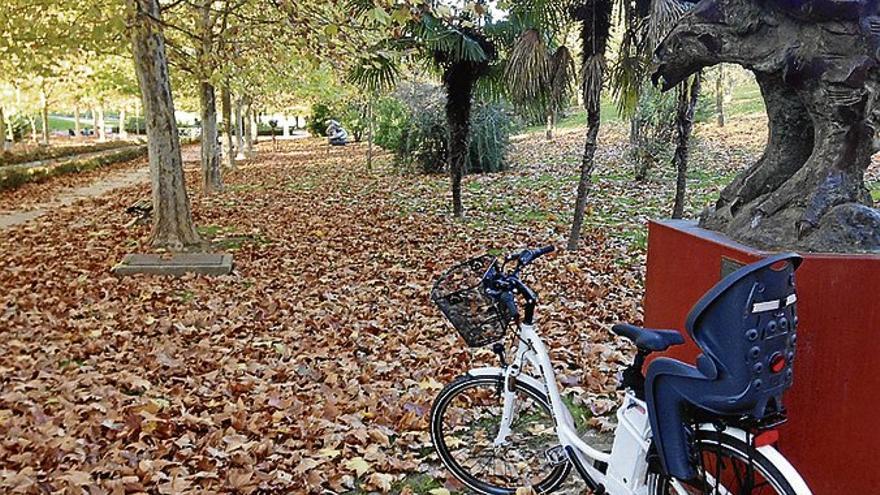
{"x":12,"y":177}
{"x":390,"y":117}
{"x":316,"y":124}
{"x":351,"y":114}
{"x":44,"y":153}
{"x":419,"y":135}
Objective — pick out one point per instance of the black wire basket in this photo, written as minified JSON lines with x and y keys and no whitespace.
{"x":461,"y":295}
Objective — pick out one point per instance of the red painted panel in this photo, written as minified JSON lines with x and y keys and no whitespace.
{"x":833,"y":435}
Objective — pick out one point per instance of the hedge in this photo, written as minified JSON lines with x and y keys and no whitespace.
{"x":17,"y":177}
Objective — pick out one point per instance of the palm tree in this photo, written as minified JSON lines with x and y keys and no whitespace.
{"x":595,"y":19}
{"x":540,"y":78}
{"x":464,"y":54}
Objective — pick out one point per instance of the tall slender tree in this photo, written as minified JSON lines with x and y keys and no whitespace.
{"x":595,"y":19}
{"x":172,"y":220}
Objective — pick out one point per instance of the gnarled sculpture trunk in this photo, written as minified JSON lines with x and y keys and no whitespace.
{"x":816,"y":63}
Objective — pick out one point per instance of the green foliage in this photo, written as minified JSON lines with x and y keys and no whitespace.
{"x":413,"y":125}
{"x":350,"y":113}
{"x":390,"y":117}
{"x":37,"y":154}
{"x":20,"y":127}
{"x":13,"y":178}
{"x":653,"y":129}
{"x":316,"y":124}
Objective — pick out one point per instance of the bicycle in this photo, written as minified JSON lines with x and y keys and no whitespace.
{"x":680,"y":429}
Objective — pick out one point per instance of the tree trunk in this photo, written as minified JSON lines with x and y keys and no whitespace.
{"x":458,"y":78}
{"x":249,"y":130}
{"x":102,"y":125}
{"x":586,"y":179}
{"x":95,"y":121}
{"x":369,"y":136}
{"x":44,"y":115}
{"x":640,"y":162}
{"x":211,"y":179}
{"x":33,"y":122}
{"x":226,"y":105}
{"x":239,"y":131}
{"x":595,"y":19}
{"x":172,"y":221}
{"x":2,"y":129}
{"x":77,"y":128}
{"x":550,"y":119}
{"x":719,"y":96}
{"x":123,"y":134}
{"x":684,"y":125}
{"x":255,"y":124}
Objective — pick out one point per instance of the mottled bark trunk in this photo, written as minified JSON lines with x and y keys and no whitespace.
{"x":226,"y":104}
{"x":33,"y":123}
{"x":3,"y":129}
{"x":172,"y":221}
{"x":95,"y":122}
{"x":684,"y":125}
{"x":211,"y":179}
{"x":458,"y":80}
{"x":369,"y":136}
{"x":239,"y":130}
{"x":249,"y":129}
{"x":101,"y":123}
{"x":586,"y":178}
{"x":719,"y":96}
{"x":77,"y":128}
{"x":255,"y":125}
{"x":44,"y":116}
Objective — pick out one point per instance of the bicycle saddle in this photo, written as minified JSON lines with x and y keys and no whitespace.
{"x":648,"y":339}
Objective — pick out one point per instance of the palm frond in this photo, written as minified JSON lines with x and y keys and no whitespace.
{"x":528,"y":66}
{"x":449,"y":43}
{"x":631,"y":66}
{"x":562,"y":76}
{"x":492,"y":84}
{"x":376,"y":72}
{"x":664,"y":15}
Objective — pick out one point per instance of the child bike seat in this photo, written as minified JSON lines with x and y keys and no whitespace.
{"x":745,"y":327}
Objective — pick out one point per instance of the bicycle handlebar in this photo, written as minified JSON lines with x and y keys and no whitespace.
{"x":505,"y":285}
{"x":529,"y":255}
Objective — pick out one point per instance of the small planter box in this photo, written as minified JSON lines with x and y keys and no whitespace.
{"x":832,"y":437}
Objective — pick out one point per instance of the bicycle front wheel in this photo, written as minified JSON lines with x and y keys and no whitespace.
{"x":727,"y":465}
{"x":465,"y":422}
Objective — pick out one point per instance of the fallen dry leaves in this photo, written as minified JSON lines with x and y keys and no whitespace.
{"x":313,"y":366}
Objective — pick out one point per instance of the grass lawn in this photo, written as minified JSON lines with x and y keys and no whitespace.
{"x":746,"y":100}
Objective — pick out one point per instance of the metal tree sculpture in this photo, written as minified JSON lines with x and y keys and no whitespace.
{"x":816,"y":62}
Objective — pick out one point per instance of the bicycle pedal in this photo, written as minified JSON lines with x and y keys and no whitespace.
{"x":556,"y":455}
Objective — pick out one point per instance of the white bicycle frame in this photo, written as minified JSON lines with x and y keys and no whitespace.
{"x":627,"y":463}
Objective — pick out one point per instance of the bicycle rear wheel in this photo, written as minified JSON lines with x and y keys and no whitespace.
{"x":465,"y":420}
{"x":730,"y":466}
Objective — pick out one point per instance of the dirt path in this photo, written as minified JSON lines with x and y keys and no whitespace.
{"x":67,"y":197}
{"x":99,"y":187}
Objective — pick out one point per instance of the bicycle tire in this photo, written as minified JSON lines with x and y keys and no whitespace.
{"x":461,"y":384}
{"x":718,"y":443}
